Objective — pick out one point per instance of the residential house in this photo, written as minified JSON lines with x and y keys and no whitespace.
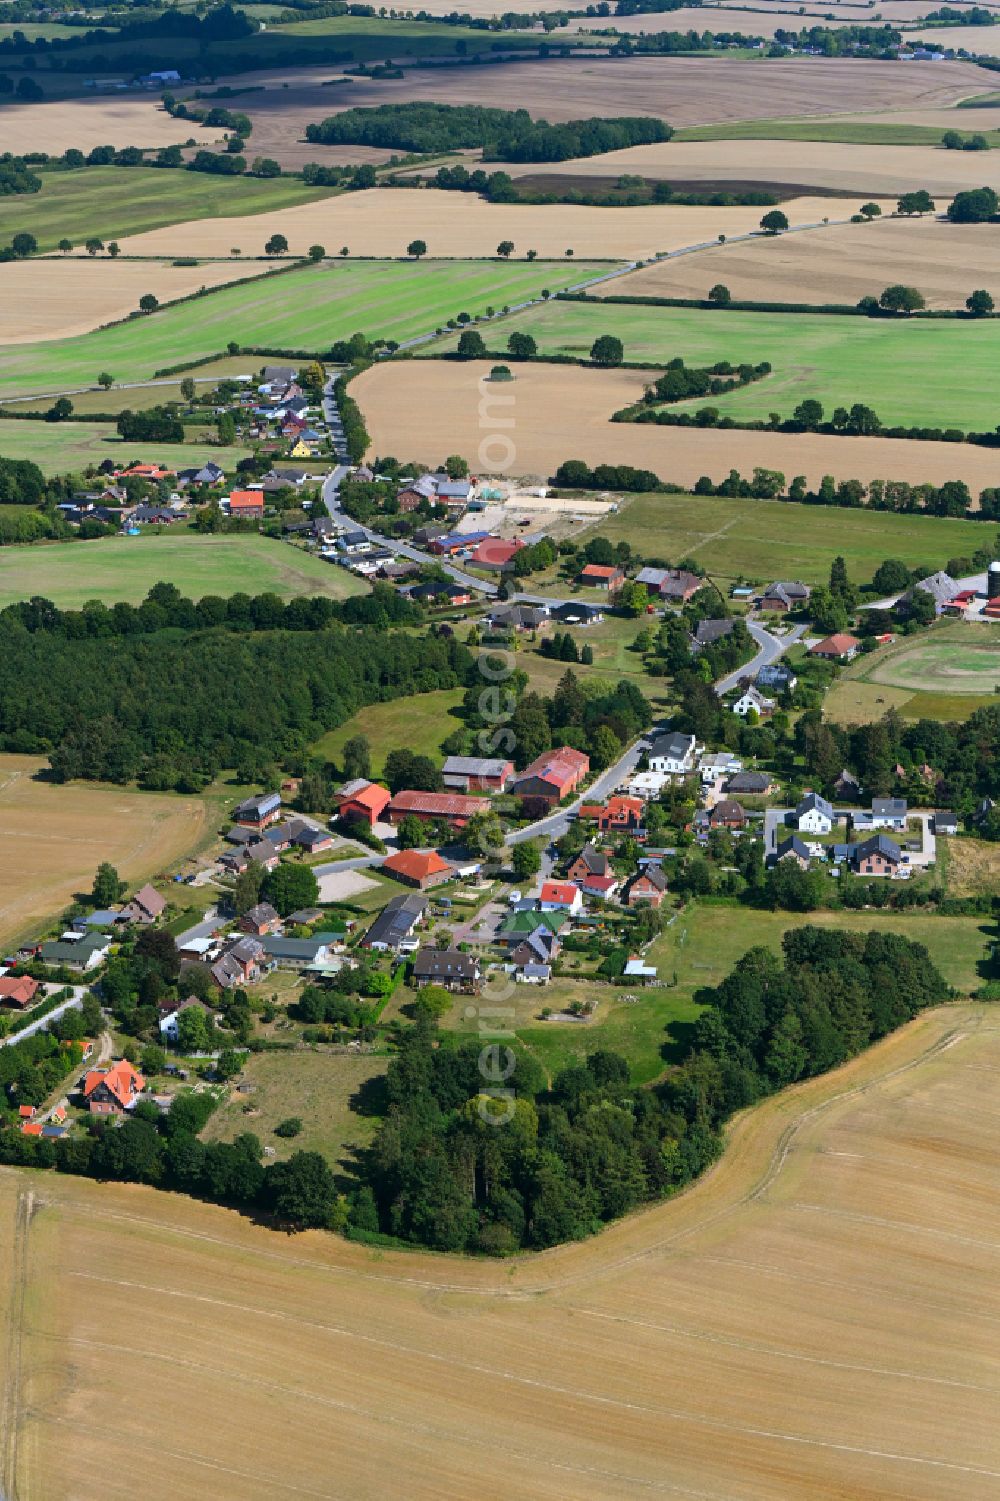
{"x":451,"y":808}
{"x":145,"y":907}
{"x":572,"y":613}
{"x":752,"y":783}
{"x":648,"y":886}
{"x":209,"y":474}
{"x":785,"y":595}
{"x":242,"y":963}
{"x":672,"y":754}
{"x":495,"y":555}
{"x":727,"y":814}
{"x":560,"y":896}
{"x":945,"y":823}
{"x":676,"y":585}
{"x":300,"y":953}
{"x":259,"y":812}
{"x":840,"y":647}
{"x":533,"y":974}
{"x":113,"y":1089}
{"x":82,"y":953}
{"x":524,"y":926}
{"x":477,"y":773}
{"x":17,"y":990}
{"x":707,"y":632}
{"x":448,"y":967}
{"x":539,"y":947}
{"x":284,"y":479}
{"x":813,"y":815}
{"x":247,"y":504}
{"x":362,"y":799}
{"x":752,"y":701}
{"x":148,"y":515}
{"x":637,"y":969}
{"x":260,"y":920}
{"x":878,"y":856}
{"x":393,"y":929}
{"x":718,"y":764}
{"x":622,"y":813}
{"x":589,"y":862}
{"x":600,"y":576}
{"x":847,"y":785}
{"x":777,"y":677}
{"x":170,"y":1013}
{"x":795,"y":849}
{"x":550,"y":777}
{"x":518,"y":617}
{"x":277,"y":377}
{"x":420,"y":868}
{"x":889,"y":813}
{"x":312,"y":840}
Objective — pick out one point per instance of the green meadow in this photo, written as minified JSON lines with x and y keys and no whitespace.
{"x":853,"y":132}
{"x":305,"y":309}
{"x":64,"y":447}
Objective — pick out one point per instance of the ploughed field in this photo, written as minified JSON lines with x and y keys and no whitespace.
{"x":813,"y":1320}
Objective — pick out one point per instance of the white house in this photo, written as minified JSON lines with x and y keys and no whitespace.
{"x":533,"y":974}
{"x":752,"y":701}
{"x":647,"y":784}
{"x":673,"y":755}
{"x":719,"y":764}
{"x":638,"y":969}
{"x":814,"y":815}
{"x":560,"y":896}
{"x":886,"y":813}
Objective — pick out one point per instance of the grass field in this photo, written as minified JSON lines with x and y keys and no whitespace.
{"x":306,"y":310}
{"x":971,"y":866}
{"x":60,"y":447}
{"x":813,"y":1319}
{"x":852,"y":132}
{"x":839,"y":360}
{"x":327,"y":1091}
{"x":943,"y":674}
{"x":419,"y":724}
{"x":957,"y":668}
{"x":114,"y":568}
{"x":56,"y":836}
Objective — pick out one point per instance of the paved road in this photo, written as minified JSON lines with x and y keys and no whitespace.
{"x":975,"y":581}
{"x":770,"y":649}
{"x":554,"y":825}
{"x":203,"y":929}
{"x":73,"y":1004}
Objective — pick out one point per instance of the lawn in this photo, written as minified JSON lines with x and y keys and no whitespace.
{"x":324,"y":1090}
{"x":64,"y":447}
{"x":854,"y":132}
{"x":305,"y":310}
{"x":838,"y":360}
{"x":419,"y":724}
{"x":765,"y":539}
{"x":125,"y":568}
{"x":111,"y":202}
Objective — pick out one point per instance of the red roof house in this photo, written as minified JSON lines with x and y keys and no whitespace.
{"x":560,"y":896}
{"x":420,"y":868}
{"x":246,"y":503}
{"x":25,"y":1112}
{"x":432,"y":807}
{"x":17,"y":991}
{"x":840,"y":647}
{"x":112,"y":1090}
{"x":622,"y":813}
{"x":600,"y":576}
{"x":362,"y":799}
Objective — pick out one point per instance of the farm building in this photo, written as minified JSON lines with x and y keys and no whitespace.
{"x":477,"y":773}
{"x":420,"y":868}
{"x":435,"y":807}
{"x":552,"y":776}
{"x":362,"y":799}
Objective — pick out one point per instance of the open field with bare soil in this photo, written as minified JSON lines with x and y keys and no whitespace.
{"x":106,"y":120}
{"x":875,"y":170}
{"x":841,"y":264}
{"x":813,"y":1321}
{"x":552,"y":413}
{"x":383,"y":221}
{"x":53,"y":299}
{"x":56,"y":836}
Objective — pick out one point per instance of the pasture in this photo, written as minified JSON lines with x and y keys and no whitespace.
{"x":945,"y":673}
{"x":419,"y":723}
{"x":839,"y":360}
{"x":841,"y":263}
{"x":306,"y":309}
{"x":56,"y":836}
{"x":126,"y":568}
{"x":692,"y":1348}
{"x":112,"y":202}
{"x":62,"y":447}
{"x":382,"y":221}
{"x":556,"y":412}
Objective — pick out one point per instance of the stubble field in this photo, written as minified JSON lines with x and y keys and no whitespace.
{"x":812,"y":1321}
{"x":105,"y":120}
{"x":561,"y":412}
{"x":56,"y":836}
{"x":841,"y":264}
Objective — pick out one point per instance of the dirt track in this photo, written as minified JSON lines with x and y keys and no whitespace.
{"x":814,"y":1321}
{"x":562,"y":412}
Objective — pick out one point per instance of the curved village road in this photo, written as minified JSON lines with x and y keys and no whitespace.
{"x":770,"y":649}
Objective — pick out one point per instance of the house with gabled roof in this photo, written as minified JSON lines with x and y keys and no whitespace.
{"x":113,"y":1089}
{"x":363,"y":800}
{"x":420,"y":868}
{"x":648,"y":885}
{"x":145,"y":907}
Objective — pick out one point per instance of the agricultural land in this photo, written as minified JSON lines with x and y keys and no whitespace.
{"x":72,"y":446}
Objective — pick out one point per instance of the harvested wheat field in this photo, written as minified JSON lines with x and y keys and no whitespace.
{"x":52,"y":299}
{"x":842,"y":264}
{"x":814,"y":1321}
{"x":54,"y":838}
{"x":382,"y":221}
{"x":103,"y":121}
{"x":876,"y":171}
{"x":555,"y":412}
{"x":906,"y":11}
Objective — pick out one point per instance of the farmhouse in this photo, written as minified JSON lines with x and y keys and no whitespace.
{"x":672,"y":755}
{"x":392,"y":930}
{"x":551,"y":777}
{"x":813,"y":815}
{"x":840,"y":647}
{"x":420,"y":868}
{"x":448,"y":967}
{"x":600,"y":576}
{"x":362,"y":799}
{"x":112,"y":1090}
{"x":434,"y":807}
{"x":477,"y":773}
{"x":17,"y":990}
{"x":259,"y":812}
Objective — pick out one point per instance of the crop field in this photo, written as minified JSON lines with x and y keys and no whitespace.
{"x":838,"y":359}
{"x":563,"y":412}
{"x":69,"y":446}
{"x":126,"y":568}
{"x":105,"y":120}
{"x":841,"y":264}
{"x":330,"y":1093}
{"x":923,"y":128}
{"x":112,"y":202}
{"x":55,"y":299}
{"x":879,"y":171}
{"x":694,"y":1348}
{"x":56,"y":836}
{"x":307,"y":309}
{"x":419,"y":723}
